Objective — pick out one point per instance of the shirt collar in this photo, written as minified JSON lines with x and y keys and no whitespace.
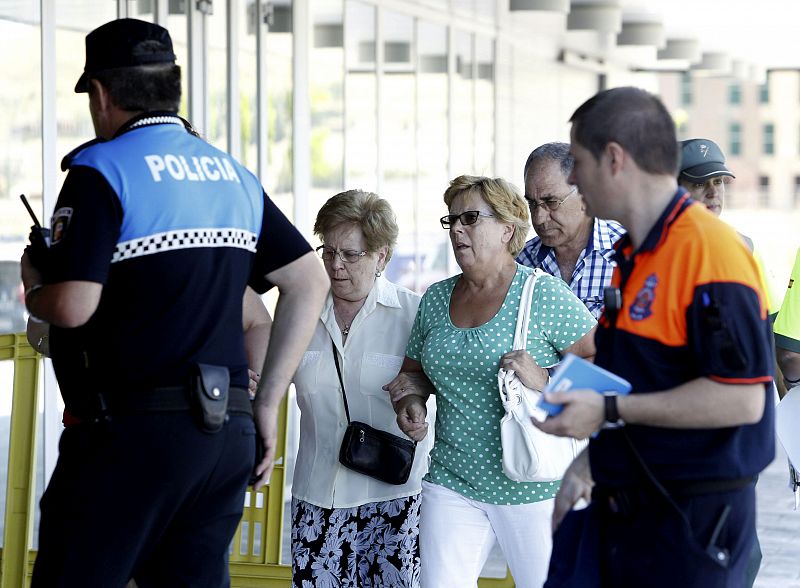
{"x":599,"y":240}
{"x":382,"y":293}
{"x":153,"y":118}
{"x":680,"y":202}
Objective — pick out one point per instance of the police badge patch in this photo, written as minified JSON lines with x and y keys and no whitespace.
{"x":640,"y":309}
{"x":59,"y":224}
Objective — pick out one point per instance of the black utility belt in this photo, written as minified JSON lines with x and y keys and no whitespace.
{"x":172,"y":399}
{"x":688,"y":488}
{"x":630,"y":499}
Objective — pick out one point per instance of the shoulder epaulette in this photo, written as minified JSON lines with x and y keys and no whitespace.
{"x":66,"y":163}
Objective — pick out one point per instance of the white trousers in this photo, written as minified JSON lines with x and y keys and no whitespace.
{"x":457,"y":534}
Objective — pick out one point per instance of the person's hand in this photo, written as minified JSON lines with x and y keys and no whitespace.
{"x":576,"y":484}
{"x":408,"y":383}
{"x":411,"y":412}
{"x":266,"y":419}
{"x":38,"y":249}
{"x":526,"y":368}
{"x":30,"y":274}
{"x":253,"y":385}
{"x":583,"y":414}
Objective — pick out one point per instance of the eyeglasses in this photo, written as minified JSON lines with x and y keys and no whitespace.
{"x":550,"y":204}
{"x":469,"y":217}
{"x":346,"y":255}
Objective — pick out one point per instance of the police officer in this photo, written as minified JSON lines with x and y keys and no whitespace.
{"x":670,"y":473}
{"x":154,"y":238}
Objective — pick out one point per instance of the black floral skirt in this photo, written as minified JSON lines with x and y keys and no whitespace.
{"x":375,"y":545}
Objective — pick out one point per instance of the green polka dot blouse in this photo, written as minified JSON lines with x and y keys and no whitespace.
{"x":462,"y":364}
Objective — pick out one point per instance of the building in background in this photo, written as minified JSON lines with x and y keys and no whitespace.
{"x":757,"y":125}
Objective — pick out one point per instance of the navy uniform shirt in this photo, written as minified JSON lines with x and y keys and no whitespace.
{"x":692,"y":308}
{"x":174,"y":229}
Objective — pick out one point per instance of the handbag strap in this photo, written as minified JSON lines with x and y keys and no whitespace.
{"x":524,"y":314}
{"x":341,"y":381}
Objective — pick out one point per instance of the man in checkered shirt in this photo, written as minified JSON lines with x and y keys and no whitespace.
{"x":568,"y":243}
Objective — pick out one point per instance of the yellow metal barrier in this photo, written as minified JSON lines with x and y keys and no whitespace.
{"x":256,"y":546}
{"x":21,"y":483}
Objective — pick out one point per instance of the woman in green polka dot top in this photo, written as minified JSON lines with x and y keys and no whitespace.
{"x":462,"y":334}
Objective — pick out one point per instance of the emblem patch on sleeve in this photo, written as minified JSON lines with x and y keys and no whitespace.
{"x":59,"y":224}
{"x":642,"y":305}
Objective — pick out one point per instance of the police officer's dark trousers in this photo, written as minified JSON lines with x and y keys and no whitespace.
{"x":148,"y":496}
{"x":636,"y":539}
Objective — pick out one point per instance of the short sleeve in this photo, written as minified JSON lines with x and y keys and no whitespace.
{"x":787,"y":323}
{"x":416,"y":339}
{"x":85,"y":228}
{"x":561,"y":315}
{"x":279,"y":244}
{"x":729,"y":333}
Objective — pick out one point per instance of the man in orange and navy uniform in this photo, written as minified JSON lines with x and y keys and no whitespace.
{"x":671,"y":467}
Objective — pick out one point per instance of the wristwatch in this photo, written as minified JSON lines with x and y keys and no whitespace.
{"x":613,"y":420}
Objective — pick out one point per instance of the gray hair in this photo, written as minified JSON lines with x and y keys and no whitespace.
{"x":368,"y":211}
{"x":558,"y":152}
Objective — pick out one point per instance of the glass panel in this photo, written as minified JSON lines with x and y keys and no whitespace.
{"x":279,"y":86}
{"x":423,"y":262}
{"x":326,"y":86}
{"x":20,"y":150}
{"x":486,"y":10}
{"x":361,"y":95}
{"x":39,"y":476}
{"x":484,"y":106}
{"x":398,"y":124}
{"x":141,"y":9}
{"x":74,"y":20}
{"x":735,"y":139}
{"x":463,"y":106}
{"x":769,"y":139}
{"x":217,"y":76}
{"x":248,"y":104}
{"x":6,"y":386}
{"x":734,"y":94}
{"x":686,"y":89}
{"x":177,"y":23}
{"x":463,"y":7}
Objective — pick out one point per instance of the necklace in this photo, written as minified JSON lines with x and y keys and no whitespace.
{"x":346,"y":330}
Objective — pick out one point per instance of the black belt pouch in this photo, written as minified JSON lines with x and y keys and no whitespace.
{"x":210,"y":389}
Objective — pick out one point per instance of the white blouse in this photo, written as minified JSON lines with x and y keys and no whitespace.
{"x":370,"y":358}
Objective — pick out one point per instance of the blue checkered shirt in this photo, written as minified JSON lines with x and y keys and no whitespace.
{"x":593,"y":271}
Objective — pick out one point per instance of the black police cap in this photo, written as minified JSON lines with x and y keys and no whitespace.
{"x":125,"y":42}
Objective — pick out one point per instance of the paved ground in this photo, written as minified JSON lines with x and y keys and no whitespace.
{"x":778,"y":528}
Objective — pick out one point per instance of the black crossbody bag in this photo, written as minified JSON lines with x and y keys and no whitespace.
{"x":373,"y":452}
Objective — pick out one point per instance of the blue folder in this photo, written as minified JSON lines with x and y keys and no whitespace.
{"x":575,"y":373}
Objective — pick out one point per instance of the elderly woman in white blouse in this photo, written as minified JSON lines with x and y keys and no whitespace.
{"x":349,"y":529}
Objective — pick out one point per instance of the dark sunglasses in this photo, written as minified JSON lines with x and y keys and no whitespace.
{"x":469,"y":217}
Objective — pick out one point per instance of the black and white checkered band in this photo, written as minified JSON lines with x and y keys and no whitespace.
{"x":157,"y":120}
{"x":185,"y":239}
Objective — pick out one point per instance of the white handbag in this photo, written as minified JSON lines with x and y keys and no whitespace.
{"x":529,"y":454}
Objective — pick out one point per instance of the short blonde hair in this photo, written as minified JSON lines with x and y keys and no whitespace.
{"x":371,"y":213}
{"x":507,"y":204}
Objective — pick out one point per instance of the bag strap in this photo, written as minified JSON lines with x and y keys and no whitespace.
{"x":524,"y":314}
{"x":653,"y":480}
{"x":341,"y":382}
